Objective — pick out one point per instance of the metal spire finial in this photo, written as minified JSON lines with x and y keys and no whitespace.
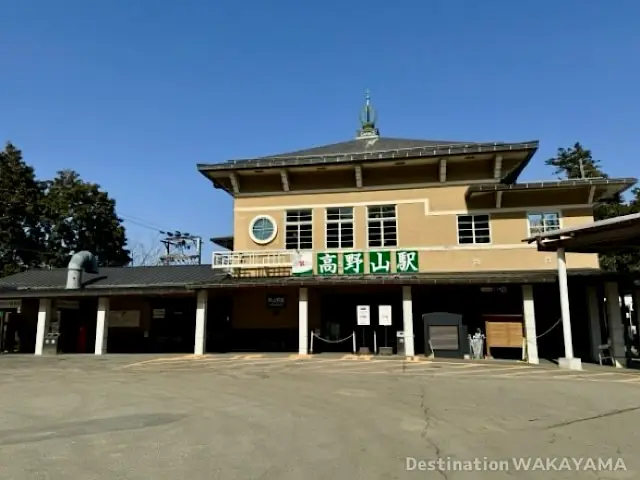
{"x":368,"y":119}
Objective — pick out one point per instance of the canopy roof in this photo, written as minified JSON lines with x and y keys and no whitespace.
{"x":596,"y":237}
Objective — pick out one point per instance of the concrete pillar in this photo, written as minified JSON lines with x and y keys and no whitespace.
{"x":102,"y":325}
{"x":595,"y":332}
{"x":200,"y":347}
{"x":407,"y":320}
{"x":44,"y":318}
{"x":303,"y":321}
{"x":614,"y":322}
{"x":529,"y":312}
{"x":568,"y":361}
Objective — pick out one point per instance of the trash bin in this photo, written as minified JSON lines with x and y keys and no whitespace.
{"x":400,"y":347}
{"x":51,"y":344}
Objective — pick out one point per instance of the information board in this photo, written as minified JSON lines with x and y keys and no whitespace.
{"x":384,"y":315}
{"x":364,"y":315}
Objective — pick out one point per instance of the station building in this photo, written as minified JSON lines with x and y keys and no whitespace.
{"x":428,"y":234}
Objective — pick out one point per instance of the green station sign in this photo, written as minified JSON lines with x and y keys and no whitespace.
{"x":378,"y":262}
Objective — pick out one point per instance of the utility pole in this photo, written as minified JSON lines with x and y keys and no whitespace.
{"x":181,"y":249}
{"x":582,"y":175}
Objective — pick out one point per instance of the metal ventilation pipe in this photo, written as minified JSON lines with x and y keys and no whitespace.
{"x":83,"y":261}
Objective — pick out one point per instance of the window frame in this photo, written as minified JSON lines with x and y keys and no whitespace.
{"x":274,"y":234}
{"x":297,"y":223}
{"x":381,"y":220}
{"x":340,"y":222}
{"x":542,"y":212}
{"x":473,"y":228}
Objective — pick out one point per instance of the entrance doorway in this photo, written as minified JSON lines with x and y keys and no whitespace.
{"x":339,"y":320}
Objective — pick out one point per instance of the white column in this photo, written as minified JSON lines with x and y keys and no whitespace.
{"x":568,"y":361}
{"x":614,"y":322}
{"x":595,"y":332}
{"x":303,"y":321}
{"x":102,"y":326}
{"x":407,"y":320}
{"x":636,"y":306}
{"x":202,"y":302}
{"x":44,"y":317}
{"x":529,"y":312}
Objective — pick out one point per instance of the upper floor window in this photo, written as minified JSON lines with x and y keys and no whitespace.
{"x":299,"y":230}
{"x":339,"y":227}
{"x":473,"y":229}
{"x":382,"y":226}
{"x":540,"y":222}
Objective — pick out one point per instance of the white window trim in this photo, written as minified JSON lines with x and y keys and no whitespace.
{"x":273,"y":235}
{"x":475,"y":214}
{"x":395,"y":216}
{"x":326,"y":235}
{"x":542,"y":212}
{"x":298,"y":223}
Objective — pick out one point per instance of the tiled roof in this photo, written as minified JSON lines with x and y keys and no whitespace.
{"x":370,"y":149}
{"x":116,"y":277}
{"x":367,"y":145}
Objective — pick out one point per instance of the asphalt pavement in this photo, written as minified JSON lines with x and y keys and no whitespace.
{"x":326,"y":417}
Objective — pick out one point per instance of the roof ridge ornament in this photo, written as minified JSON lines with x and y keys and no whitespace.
{"x":368,"y":118}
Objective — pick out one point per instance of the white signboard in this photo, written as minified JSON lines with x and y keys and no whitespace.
{"x":302,"y":263}
{"x":124,"y":318}
{"x":384,"y":315}
{"x":364,"y":315}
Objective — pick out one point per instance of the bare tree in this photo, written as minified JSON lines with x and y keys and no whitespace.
{"x":145,"y":254}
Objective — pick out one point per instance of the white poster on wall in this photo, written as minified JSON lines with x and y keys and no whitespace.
{"x":384,"y":315}
{"x":364,"y":315}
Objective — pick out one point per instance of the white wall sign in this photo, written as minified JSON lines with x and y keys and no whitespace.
{"x":158,"y":313}
{"x":124,"y":318}
{"x":384,"y":315}
{"x":364,"y":315}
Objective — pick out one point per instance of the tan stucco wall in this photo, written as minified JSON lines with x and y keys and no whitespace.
{"x":427,"y":221}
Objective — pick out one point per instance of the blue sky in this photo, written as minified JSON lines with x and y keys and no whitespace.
{"x":133,"y":94}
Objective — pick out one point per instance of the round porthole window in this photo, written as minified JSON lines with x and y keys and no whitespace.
{"x":263,"y":229}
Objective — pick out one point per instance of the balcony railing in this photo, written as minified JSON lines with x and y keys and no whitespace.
{"x":259,"y":259}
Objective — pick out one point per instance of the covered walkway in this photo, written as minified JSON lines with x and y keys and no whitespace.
{"x":598,"y":237}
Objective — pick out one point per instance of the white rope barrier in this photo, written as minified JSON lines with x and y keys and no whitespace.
{"x":326,"y":340}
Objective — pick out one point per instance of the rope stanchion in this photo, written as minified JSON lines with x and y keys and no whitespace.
{"x":525,"y":349}
{"x":326,"y":340}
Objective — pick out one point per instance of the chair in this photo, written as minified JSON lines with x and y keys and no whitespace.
{"x":604,"y":353}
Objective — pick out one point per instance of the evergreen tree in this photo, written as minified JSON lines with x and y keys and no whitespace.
{"x":575,"y":162}
{"x":80,"y":216}
{"x":20,"y":202}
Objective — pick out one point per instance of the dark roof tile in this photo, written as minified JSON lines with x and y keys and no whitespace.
{"x":116,"y":277}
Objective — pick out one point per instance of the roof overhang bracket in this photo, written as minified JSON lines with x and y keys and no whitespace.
{"x":592,"y":194}
{"x":443,"y":170}
{"x":284,"y":176}
{"x":235,"y":183}
{"x":358,"y":170}
{"x":499,"y":199}
{"x":497,"y":167}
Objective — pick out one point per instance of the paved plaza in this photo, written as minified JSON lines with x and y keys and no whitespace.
{"x":325,"y":417}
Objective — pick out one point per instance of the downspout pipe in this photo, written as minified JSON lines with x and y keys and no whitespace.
{"x":80,"y":262}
